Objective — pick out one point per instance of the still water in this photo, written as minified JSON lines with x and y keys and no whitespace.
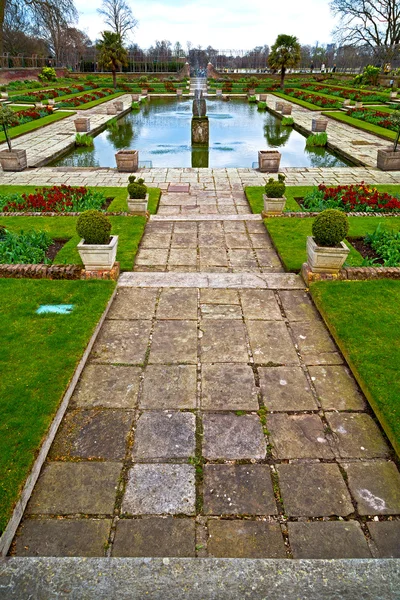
{"x":161,"y":132}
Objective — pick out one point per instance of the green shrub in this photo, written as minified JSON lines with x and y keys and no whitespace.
{"x":84,"y":140}
{"x":94,"y":227}
{"x":386,"y":244}
{"x":48,"y":74}
{"x":135,"y":105}
{"x":275,"y":189}
{"x":252,"y":99}
{"x":317,"y":140}
{"x":287,"y":122}
{"x":24,"y":248}
{"x":330,"y":227}
{"x":262,"y":106}
{"x":137,"y":189}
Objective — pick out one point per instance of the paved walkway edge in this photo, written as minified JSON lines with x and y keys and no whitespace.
{"x":271,"y":281}
{"x":12,"y":526}
{"x":198,"y":579}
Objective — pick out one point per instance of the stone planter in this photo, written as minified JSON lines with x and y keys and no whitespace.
{"x":119,"y":105}
{"x":218,"y":92}
{"x":144,"y":92}
{"x":82,"y":124}
{"x":324,"y":259}
{"x":388,"y":160}
{"x":346,"y":103}
{"x":39,"y":105}
{"x":127,"y":161}
{"x":279,"y":106}
{"x":111,"y":109}
{"x":263,"y":97}
{"x":358,"y":105}
{"x":393,"y":94}
{"x":179,"y":92}
{"x":318,"y":125}
{"x":13,"y":161}
{"x":268,"y":161}
{"x":286,"y":109}
{"x":251,"y":92}
{"x":138,"y":206}
{"x":135,"y":97}
{"x":51,"y":102}
{"x":4,"y":95}
{"x":274,"y":206}
{"x":98,"y":257}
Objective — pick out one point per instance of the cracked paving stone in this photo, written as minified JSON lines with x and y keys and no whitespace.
{"x":74,"y":488}
{"x":62,"y":537}
{"x":315,"y":343}
{"x":285,"y":389}
{"x":162,"y":435}
{"x":132,"y":303}
{"x":228,"y":387}
{"x":336,"y":388}
{"x":238,"y":490}
{"x":231,"y":437}
{"x":386,"y":537}
{"x":328,"y":539}
{"x":313,"y":490}
{"x":245,"y":539}
{"x":271,"y":343}
{"x":375,"y":486}
{"x":260,"y":304}
{"x":177,"y":304}
{"x":174,"y":342}
{"x":168,"y":387}
{"x":357,"y":436}
{"x":298,"y":436}
{"x":223,"y":341}
{"x":91,"y":434}
{"x":155,"y":536}
{"x":122,"y":342}
{"x":107,"y":386}
{"x":298,"y":305}
{"x":155,"y":489}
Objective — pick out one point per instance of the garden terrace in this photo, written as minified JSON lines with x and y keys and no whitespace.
{"x":354,"y":94}
{"x":30,"y":119}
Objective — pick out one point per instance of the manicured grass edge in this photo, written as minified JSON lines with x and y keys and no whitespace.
{"x":15,"y":132}
{"x":385,"y":425}
{"x":363,"y":125}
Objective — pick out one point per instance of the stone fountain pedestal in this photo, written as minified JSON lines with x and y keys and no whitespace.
{"x":200,"y":131}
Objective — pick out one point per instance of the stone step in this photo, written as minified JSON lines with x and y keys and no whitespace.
{"x":198,"y":579}
{"x":211,"y":217}
{"x":272,"y":281}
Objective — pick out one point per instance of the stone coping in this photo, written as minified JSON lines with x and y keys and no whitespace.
{"x":202,"y":217}
{"x":198,"y":579}
{"x":351,"y":273}
{"x":41,"y":271}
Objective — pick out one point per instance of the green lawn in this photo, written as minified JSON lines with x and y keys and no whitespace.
{"x":37,"y":124}
{"x":289,"y":236}
{"x":364,"y":319}
{"x":298,"y":101}
{"x":38,"y":358}
{"x":359,"y":124}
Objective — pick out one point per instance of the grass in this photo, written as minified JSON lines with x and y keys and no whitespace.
{"x":254,"y":195}
{"x":38,"y":358}
{"x":298,"y":101}
{"x":37,"y":124}
{"x":290,"y":236}
{"x":364,"y":319}
{"x":100,"y":101}
{"x":359,"y":124}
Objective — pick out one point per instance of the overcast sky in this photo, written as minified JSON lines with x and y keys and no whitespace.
{"x":223,"y":24}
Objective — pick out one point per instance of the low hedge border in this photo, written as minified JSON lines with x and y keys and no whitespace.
{"x":41,"y":271}
{"x":351,"y":274}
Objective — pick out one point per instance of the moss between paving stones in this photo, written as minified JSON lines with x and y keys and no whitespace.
{"x":38,"y":358}
{"x":370,"y":127}
{"x":37,"y":124}
{"x":364,"y":319}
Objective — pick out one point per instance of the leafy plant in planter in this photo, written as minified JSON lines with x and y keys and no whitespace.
{"x":138,"y":197}
{"x":317,"y":140}
{"x":82,"y":140}
{"x":274,"y":199}
{"x":97,"y":250}
{"x":11,"y":160}
{"x":326,"y":251}
{"x":287,"y":122}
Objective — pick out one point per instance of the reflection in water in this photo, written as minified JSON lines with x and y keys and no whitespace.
{"x":320,"y":158}
{"x":161,"y":132}
{"x":200,"y":157}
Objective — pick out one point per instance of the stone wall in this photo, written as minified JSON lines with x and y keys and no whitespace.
{"x":351,"y":274}
{"x":56,"y":272}
{"x":7,"y":75}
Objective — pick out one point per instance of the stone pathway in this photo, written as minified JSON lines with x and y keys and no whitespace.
{"x":215,"y":417}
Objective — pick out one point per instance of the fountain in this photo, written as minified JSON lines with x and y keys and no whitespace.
{"x":200,"y":125}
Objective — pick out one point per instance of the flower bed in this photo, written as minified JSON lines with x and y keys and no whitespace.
{"x":349,"y":93}
{"x":39,"y":96}
{"x":55,"y":199}
{"x":386,"y":244}
{"x":313,"y":98}
{"x":26,"y":116}
{"x":376,"y":117}
{"x":85,"y":98}
{"x":350,"y":198}
{"x":24,"y":248}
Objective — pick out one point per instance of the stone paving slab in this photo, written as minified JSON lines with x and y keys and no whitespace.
{"x":250,"y":539}
{"x":212,"y":280}
{"x":375,"y":487}
{"x":107,"y":386}
{"x":385,"y":536}
{"x":164,"y":435}
{"x":328,"y":539}
{"x":286,"y":389}
{"x":228,"y":436}
{"x":228,"y":387}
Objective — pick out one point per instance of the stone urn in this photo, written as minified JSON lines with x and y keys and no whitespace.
{"x":274,"y":206}
{"x":119,"y":105}
{"x":98,"y":257}
{"x":388,"y":160}
{"x":319,"y":124}
{"x":138,"y":206}
{"x":127,"y":161}
{"x":111,"y":109}
{"x":82,"y":124}
{"x":279,"y":106}
{"x":323,"y":259}
{"x":269,"y":161}
{"x":286,"y":109}
{"x":13,"y":160}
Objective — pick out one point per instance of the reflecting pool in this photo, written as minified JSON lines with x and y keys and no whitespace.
{"x":161,"y":132}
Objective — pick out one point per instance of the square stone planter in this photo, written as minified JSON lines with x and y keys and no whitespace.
{"x":274,"y":206}
{"x":119,"y":105}
{"x":387,"y":160}
{"x":269,"y":161}
{"x":263,"y":97}
{"x":286,"y":109}
{"x":111,"y":109}
{"x":218,"y":92}
{"x":127,"y":161}
{"x":144,"y":92}
{"x":358,"y":105}
{"x":39,"y":105}
{"x":323,"y":259}
{"x":138,"y":206}
{"x":346,"y":103}
{"x":279,"y":106}
{"x":4,"y":95}
{"x":98,"y":257}
{"x":51,"y":102}
{"x":82,"y":124}
{"x":251,"y":92}
{"x":13,"y":161}
{"x":135,"y":97}
{"x":393,"y":94}
{"x":318,"y":125}
{"x":179,"y":92}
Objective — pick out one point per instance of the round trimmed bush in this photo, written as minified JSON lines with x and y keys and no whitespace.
{"x":330,"y":227}
{"x":94,"y":227}
{"x":137,"y":189}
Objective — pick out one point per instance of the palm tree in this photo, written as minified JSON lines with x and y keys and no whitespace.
{"x":285,"y":53}
{"x":112,"y":53}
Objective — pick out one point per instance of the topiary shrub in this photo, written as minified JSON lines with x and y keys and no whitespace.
{"x":330,"y":227}
{"x":94,"y":227}
{"x":275,"y":189}
{"x":137,"y":189}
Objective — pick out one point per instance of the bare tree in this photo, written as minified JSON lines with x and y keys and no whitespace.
{"x":371,"y":22}
{"x":118,"y":16}
{"x":52,"y":23}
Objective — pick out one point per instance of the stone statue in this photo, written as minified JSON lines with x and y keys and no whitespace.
{"x":199,"y":104}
